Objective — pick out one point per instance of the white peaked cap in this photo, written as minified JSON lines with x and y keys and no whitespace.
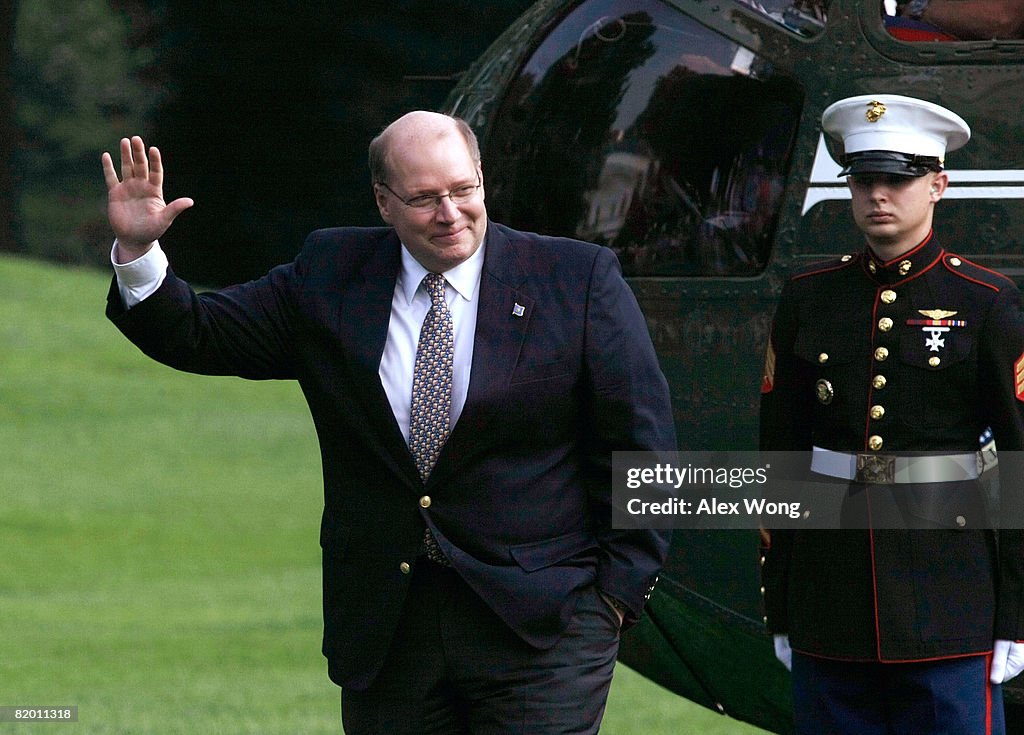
{"x":890,"y":122}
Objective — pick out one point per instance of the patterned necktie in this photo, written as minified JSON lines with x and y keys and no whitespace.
{"x":432,"y":392}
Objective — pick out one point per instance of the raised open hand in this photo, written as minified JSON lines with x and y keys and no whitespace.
{"x":135,"y":202}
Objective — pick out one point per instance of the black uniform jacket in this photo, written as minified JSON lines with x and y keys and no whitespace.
{"x":922,"y":353}
{"x":563,"y":373}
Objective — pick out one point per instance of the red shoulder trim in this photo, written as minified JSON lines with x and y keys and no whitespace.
{"x":956,"y":271}
{"x":826,"y":268}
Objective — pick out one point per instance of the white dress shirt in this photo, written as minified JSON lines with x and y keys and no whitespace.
{"x":409,"y":305}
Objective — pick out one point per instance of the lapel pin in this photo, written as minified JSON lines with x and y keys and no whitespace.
{"x":518,"y":310}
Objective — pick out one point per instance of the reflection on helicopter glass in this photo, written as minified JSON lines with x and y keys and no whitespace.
{"x":634,"y":126}
{"x":806,"y":17}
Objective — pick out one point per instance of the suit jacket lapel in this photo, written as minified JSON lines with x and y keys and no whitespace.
{"x":501,"y":324}
{"x":364,"y":312}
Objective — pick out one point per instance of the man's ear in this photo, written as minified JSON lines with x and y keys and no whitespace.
{"x":938,"y":187}
{"x":380,"y":195}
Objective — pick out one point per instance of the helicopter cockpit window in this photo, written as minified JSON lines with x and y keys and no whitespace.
{"x":805,"y":17}
{"x":954,"y":20}
{"x":634,"y":126}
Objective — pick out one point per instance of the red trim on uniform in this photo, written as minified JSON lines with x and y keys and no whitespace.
{"x":951,"y":269}
{"x":829,"y":269}
{"x":910,"y":252}
{"x":768,"y":373}
{"x":973,"y":280}
{"x":931,"y":658}
{"x":871,"y":370}
{"x":874,"y":578}
{"x":880,"y":660}
{"x":988,"y":696}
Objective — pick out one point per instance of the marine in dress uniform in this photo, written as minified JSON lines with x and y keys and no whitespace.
{"x":905,"y":347}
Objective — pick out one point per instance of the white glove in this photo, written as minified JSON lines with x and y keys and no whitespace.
{"x":1007,"y":661}
{"x":783,"y":652}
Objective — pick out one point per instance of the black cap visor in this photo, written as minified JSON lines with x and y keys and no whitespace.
{"x":889,"y":162}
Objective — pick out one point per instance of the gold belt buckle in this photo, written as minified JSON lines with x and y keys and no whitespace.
{"x":876,"y":469}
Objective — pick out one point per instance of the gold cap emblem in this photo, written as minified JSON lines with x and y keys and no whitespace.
{"x":875,"y":111}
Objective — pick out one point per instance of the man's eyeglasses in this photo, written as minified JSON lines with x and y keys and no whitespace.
{"x":431,"y":202}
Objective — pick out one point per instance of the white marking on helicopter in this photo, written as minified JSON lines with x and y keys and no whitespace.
{"x":825,"y":184}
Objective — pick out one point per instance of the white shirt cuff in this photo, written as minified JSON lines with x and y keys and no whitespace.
{"x":141,"y":277}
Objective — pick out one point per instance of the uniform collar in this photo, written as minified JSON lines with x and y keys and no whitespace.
{"x":912,"y":263}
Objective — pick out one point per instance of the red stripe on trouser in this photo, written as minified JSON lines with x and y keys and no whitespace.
{"x":988,"y":695}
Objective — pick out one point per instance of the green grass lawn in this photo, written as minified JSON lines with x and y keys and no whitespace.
{"x":159,"y":538}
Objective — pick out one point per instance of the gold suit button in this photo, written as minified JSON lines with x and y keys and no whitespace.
{"x":885,"y":324}
{"x":425,"y":501}
{"x":904,"y":267}
{"x":888,"y":296}
{"x":934,"y":361}
{"x":823,"y":358}
{"x":955,"y":261}
{"x":878,"y":382}
{"x":877,"y":412}
{"x":961,"y":521}
{"x":875,"y":443}
{"x":405,"y":567}
{"x":881,"y":354}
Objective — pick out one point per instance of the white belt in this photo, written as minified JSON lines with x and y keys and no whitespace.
{"x":890,"y":469}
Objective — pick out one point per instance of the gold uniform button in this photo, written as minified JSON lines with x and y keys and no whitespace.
{"x":425,"y":501}
{"x":888,"y":296}
{"x":881,"y":354}
{"x":961,"y":521}
{"x":934,"y":361}
{"x":878,"y":382}
{"x":904,"y":267}
{"x":877,"y":412}
{"x":956,"y":262}
{"x":405,"y":567}
{"x":875,"y":443}
{"x":823,"y":358}
{"x":885,"y":324}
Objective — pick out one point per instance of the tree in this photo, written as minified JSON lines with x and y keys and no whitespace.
{"x":8,"y":130}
